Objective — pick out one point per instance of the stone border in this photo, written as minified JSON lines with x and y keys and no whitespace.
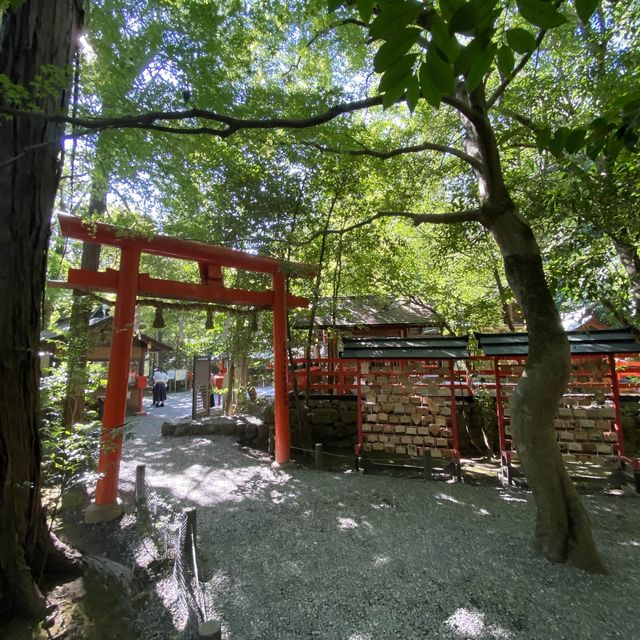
{"x":243,"y":427}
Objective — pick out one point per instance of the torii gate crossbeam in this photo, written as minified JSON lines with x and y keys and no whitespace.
{"x":127,"y":283}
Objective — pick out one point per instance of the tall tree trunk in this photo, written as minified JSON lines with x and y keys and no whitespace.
{"x":507,"y":315}
{"x":159,"y":360}
{"x":78,"y":343}
{"x":36,"y":33}
{"x":623,"y":242}
{"x":563,"y":530}
{"x":306,"y":436}
{"x":180,"y":343}
{"x":628,"y":254}
{"x":228,"y":399}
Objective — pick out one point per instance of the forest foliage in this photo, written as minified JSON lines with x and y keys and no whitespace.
{"x":334,"y":132}
{"x":562,"y":77}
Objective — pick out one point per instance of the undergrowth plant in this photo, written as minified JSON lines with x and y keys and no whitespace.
{"x":69,"y":454}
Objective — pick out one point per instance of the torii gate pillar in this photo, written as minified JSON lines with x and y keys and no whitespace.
{"x":106,"y":506}
{"x":283,"y":437}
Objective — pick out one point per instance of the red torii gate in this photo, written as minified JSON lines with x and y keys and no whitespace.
{"x":128,"y":282}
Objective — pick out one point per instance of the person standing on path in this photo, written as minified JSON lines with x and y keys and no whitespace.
{"x":160,"y":379}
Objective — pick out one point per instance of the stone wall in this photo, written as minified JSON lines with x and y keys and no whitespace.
{"x":248,"y":428}
{"x":333,"y":422}
{"x":630,"y":410}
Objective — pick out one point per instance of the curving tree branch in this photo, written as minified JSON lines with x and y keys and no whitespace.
{"x":151,"y":119}
{"x":385,"y":155}
{"x":525,"y":121}
{"x":467,"y":215}
{"x":231,"y":124}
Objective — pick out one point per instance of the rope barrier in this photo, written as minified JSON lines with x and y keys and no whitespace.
{"x":338,"y":455}
{"x":324,"y":453}
{"x":425,"y":466}
{"x":301,"y":449}
{"x":161,"y":522}
{"x":188,"y":587}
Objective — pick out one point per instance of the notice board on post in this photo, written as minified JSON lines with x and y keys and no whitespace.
{"x":201,"y":387}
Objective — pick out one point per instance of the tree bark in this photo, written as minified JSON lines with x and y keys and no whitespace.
{"x":228,"y":400}
{"x":628,"y":254}
{"x":36,"y":33}
{"x":563,"y":530}
{"x":78,"y":345}
{"x":74,"y":402}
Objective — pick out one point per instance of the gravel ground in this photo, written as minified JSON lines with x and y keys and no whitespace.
{"x":305,"y":554}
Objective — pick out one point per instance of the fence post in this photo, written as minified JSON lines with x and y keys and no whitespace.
{"x":140,"y":482}
{"x":319,"y":455}
{"x":427,"y":464}
{"x":505,"y":470}
{"x":272,"y":441}
{"x":191,"y":516}
{"x":635,"y":467}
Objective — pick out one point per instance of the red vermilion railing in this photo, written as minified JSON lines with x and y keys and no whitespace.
{"x":499,"y":375}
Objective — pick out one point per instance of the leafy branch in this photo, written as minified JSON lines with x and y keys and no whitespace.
{"x":232,"y":124}
{"x":392,"y":153}
{"x":453,"y":217}
{"x":497,"y":94}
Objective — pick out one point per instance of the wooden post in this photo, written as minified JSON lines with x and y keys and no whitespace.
{"x":191,"y":515}
{"x":210,"y":630}
{"x":140,"y":482}
{"x":502,"y":440}
{"x":271,"y":442}
{"x":505,"y":470}
{"x":427,"y":464}
{"x":454,"y":412}
{"x":106,"y":502}
{"x":282,"y":435}
{"x":319,"y":455}
{"x":141,"y":383}
{"x":359,"y":407}
{"x":635,"y":467}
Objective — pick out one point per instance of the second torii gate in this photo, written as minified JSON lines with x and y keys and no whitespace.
{"x":127,"y":282}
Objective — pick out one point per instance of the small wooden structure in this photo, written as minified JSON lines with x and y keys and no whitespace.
{"x":99,"y":335}
{"x":127,"y":283}
{"x":99,"y":340}
{"x":406,"y":389}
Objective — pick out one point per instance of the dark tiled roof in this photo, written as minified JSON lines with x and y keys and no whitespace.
{"x":581,"y":342}
{"x":455,"y":347}
{"x":370,"y":311}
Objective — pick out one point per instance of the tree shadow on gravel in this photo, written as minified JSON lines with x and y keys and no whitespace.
{"x":339,"y":556}
{"x":309,"y":554}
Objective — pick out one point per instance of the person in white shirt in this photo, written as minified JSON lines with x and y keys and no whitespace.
{"x":160,"y":378}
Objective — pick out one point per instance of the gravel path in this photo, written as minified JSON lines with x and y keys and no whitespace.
{"x":304,"y":554}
